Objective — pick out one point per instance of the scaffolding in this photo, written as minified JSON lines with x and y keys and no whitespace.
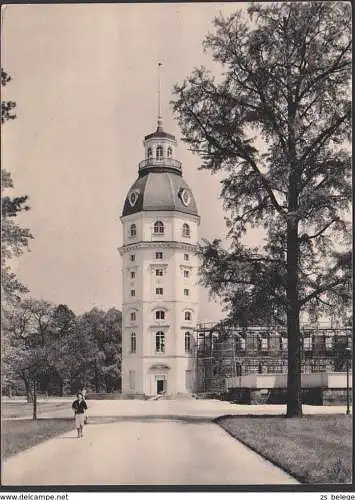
{"x":223,"y":352}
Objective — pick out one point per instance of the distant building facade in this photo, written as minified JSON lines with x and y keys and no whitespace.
{"x":256,"y":357}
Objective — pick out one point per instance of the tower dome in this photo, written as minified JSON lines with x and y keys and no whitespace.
{"x":160,"y":185}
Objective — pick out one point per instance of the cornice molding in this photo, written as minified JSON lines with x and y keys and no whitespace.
{"x":185,"y":267}
{"x":156,"y":244}
{"x":146,"y":214}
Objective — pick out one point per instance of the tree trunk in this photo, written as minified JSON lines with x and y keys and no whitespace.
{"x":61,"y":387}
{"x":96,"y":378}
{"x":294,"y":404}
{"x":34,"y":399}
{"x":28,"y":390}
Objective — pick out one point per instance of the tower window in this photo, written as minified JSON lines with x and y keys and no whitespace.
{"x":133,"y":275}
{"x":186,"y":274}
{"x":133,"y":257}
{"x":159,"y":291}
{"x":158,"y":255}
{"x":187,"y":342}
{"x":160,"y":315}
{"x":132,"y":379}
{"x":187,"y":316}
{"x":170,"y":152}
{"x":133,"y":230}
{"x":133,"y":342}
{"x":159,"y":272}
{"x":149,"y":153}
{"x":159,"y":152}
{"x":186,"y":256}
{"x":160,"y":342}
{"x":158,"y":227}
{"x":186,"y":292}
{"x":133,"y":293}
{"x":186,"y":231}
{"x":133,"y":316}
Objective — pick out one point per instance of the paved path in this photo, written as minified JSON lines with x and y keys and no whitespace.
{"x":201,"y":408}
{"x":149,"y":442}
{"x":141,"y":453}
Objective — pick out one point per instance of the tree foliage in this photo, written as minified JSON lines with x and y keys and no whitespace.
{"x":285,"y":84}
{"x":7,"y":107}
{"x":59,"y":351}
{"x":14,"y":238}
{"x":103,"y":349}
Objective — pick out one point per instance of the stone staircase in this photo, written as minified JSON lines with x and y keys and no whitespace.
{"x":176,"y":397}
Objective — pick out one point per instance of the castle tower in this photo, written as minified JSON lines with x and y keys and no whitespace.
{"x":159,"y":274}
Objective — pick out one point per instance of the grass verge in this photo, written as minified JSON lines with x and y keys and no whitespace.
{"x":315,"y":449}
{"x":24,"y":409}
{"x":18,"y":435}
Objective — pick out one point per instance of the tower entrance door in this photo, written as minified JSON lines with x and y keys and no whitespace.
{"x":160,"y":386}
{"x":159,"y":379}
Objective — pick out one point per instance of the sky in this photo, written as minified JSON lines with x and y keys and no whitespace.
{"x":85,"y":82}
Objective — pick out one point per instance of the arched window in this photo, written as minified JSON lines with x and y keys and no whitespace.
{"x":149,"y":153}
{"x":239,"y":344}
{"x":159,"y":314}
{"x":188,"y":342}
{"x":264,"y":343}
{"x":133,"y":342}
{"x":308,"y":366}
{"x":187,"y":316}
{"x":170,"y":152}
{"x":133,"y":230}
{"x":159,"y":152}
{"x":238,"y":369}
{"x":186,"y":231}
{"x":160,"y":342}
{"x":158,"y":227}
{"x":329,"y":343}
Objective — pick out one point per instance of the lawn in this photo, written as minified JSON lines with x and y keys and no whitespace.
{"x":315,"y":449}
{"x":23,"y":409}
{"x":18,"y":435}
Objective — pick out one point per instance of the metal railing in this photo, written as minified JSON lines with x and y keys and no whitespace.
{"x":164,"y":162}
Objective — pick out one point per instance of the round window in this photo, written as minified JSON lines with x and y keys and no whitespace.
{"x":185,"y":197}
{"x":133,"y":197}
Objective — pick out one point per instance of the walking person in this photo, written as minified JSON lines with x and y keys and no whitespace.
{"x":79,"y":406}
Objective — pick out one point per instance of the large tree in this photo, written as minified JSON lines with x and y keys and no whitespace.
{"x":101,"y":333}
{"x":28,"y":344}
{"x":14,"y":238}
{"x":276,"y":124}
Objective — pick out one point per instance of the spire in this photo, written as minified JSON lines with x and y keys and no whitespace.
{"x":160,"y":121}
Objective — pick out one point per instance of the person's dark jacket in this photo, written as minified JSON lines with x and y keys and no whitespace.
{"x":79,"y":406}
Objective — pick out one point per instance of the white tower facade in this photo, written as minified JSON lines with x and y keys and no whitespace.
{"x":159,"y":274}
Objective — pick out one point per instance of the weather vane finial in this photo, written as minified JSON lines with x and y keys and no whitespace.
{"x":160,"y":121}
